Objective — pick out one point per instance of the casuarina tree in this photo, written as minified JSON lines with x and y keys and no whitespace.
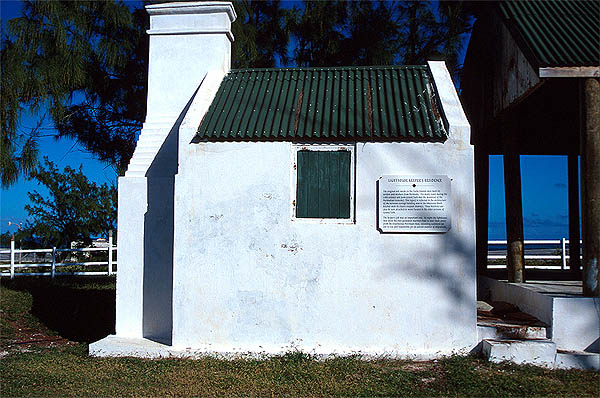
{"x":75,"y":209}
{"x":82,"y":65}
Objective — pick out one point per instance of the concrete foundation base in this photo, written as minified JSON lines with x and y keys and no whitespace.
{"x":113,"y":346}
{"x":116,"y":346}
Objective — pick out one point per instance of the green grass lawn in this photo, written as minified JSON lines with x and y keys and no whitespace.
{"x":45,"y":366}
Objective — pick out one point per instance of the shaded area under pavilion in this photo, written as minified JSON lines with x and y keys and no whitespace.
{"x":530,"y":87}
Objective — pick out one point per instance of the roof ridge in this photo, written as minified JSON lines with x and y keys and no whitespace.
{"x":329,"y":68}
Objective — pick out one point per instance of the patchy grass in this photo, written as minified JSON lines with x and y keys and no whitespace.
{"x":68,"y":371}
{"x":65,"y":369}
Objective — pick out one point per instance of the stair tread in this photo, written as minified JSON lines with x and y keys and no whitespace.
{"x":524,"y":341}
{"x":503,"y":314}
{"x":570,"y":352}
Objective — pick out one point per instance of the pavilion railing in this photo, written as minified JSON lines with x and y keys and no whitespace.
{"x":541,"y":254}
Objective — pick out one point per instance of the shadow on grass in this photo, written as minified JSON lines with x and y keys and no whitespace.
{"x":77,"y":308}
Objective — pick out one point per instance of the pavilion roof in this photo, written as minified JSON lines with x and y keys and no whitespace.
{"x":555,"y":33}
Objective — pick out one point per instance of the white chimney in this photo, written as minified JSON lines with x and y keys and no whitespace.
{"x":186,"y":41}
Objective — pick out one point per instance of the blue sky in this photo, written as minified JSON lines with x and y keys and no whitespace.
{"x":63,"y":152}
{"x":544,"y":180}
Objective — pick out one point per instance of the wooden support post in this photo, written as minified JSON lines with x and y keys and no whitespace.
{"x":563,"y":254}
{"x":53,"y":267}
{"x":590,"y":185}
{"x":12,"y":257}
{"x":514,"y":216}
{"x":574,"y":237}
{"x":482,"y":175}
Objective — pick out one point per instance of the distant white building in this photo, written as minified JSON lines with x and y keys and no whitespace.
{"x":98,"y":242}
{"x":326,"y":209}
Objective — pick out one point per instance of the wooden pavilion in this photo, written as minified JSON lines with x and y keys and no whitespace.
{"x":530,"y":87}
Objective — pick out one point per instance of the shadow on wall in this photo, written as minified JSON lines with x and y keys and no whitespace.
{"x":455,"y":249}
{"x":158,"y":238}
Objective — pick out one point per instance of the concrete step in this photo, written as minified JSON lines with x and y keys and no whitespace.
{"x":507,"y":331}
{"x":532,"y":352}
{"x":577,"y":360}
{"x":150,"y":150}
{"x":145,"y":152}
{"x":135,"y":173}
{"x":141,"y":160}
{"x":153,"y":137}
{"x":156,"y":140}
{"x":573,"y":318}
{"x":149,"y":144}
{"x":503,"y":321}
{"x":137,"y":167}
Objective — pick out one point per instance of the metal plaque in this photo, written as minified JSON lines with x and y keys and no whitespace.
{"x":414,"y":204}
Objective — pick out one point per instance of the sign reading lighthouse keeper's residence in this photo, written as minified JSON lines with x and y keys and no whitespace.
{"x":414,"y":204}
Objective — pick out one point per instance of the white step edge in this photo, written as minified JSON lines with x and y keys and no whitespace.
{"x":577,"y":360}
{"x":138,"y":161}
{"x":135,"y":173}
{"x":151,"y":140}
{"x":533,"y":352}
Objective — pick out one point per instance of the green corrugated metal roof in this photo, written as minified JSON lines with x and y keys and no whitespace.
{"x":388,"y":103}
{"x":556,"y":33}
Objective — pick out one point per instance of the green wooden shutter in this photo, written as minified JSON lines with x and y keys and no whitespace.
{"x":323,"y":184}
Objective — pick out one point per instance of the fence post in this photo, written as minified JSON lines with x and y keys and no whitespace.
{"x":12,"y":257}
{"x":110,"y":253}
{"x":53,"y":262}
{"x":563,"y":252}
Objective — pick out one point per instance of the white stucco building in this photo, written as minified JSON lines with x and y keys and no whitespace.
{"x":259,"y":210}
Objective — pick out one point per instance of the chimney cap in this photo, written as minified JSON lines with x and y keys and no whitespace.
{"x":199,"y":7}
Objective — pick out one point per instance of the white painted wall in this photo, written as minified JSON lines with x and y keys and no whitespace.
{"x":248,"y":278}
{"x":242,"y":276}
{"x":187,"y":40}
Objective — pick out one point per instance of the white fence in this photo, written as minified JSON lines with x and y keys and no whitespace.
{"x":546,"y":250}
{"x":557,"y":249}
{"x":54,"y":265}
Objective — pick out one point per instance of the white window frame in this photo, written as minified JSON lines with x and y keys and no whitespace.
{"x":294,"y":181}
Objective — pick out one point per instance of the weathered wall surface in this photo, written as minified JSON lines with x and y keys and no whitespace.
{"x":187,"y":40}
{"x":248,"y":278}
{"x":237,"y":274}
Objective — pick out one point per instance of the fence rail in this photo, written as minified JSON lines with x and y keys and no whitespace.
{"x":558,"y":246}
{"x":10,"y":269}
